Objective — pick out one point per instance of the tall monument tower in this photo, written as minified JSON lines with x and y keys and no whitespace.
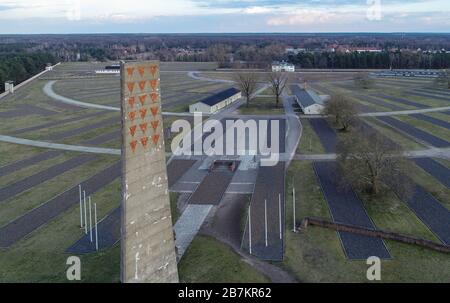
{"x":148,"y":246}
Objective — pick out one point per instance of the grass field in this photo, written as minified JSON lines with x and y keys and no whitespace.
{"x":41,"y":257}
{"x":310,"y":142}
{"x":316,"y":255}
{"x":207,"y":260}
{"x":262,"y":106}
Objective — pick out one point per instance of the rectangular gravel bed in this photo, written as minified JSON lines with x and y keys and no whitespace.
{"x":18,"y":187}
{"x":346,"y":207}
{"x":24,"y":225}
{"x":436,"y":169}
{"x":415,"y":132}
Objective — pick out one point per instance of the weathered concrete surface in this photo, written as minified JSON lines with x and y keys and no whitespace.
{"x":148,"y":246}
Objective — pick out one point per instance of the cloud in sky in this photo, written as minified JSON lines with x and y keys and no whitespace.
{"x":61,"y":16}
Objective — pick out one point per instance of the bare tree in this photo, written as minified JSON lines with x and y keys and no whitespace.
{"x":372,"y":163}
{"x":278,"y":81}
{"x":341,"y":110}
{"x":247,"y":83}
{"x":362,"y":80}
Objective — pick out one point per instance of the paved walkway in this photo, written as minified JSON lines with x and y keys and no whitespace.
{"x":443,"y":153}
{"x":188,"y":226}
{"x":75,"y":148}
{"x":392,"y":113}
{"x":194,"y":75}
{"x":48,"y":90}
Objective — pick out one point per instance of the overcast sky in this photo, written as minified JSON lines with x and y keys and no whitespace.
{"x":229,"y":16}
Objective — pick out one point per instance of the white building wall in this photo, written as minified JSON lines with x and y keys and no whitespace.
{"x":200,"y":107}
{"x":315,"y":109}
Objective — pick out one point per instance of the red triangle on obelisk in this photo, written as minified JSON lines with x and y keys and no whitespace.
{"x":141,"y":70}
{"x":155,"y":125}
{"x":154,"y":83}
{"x":155,"y":139}
{"x":154,"y":96}
{"x":142,"y":99}
{"x":153,"y":69}
{"x":144,"y":141}
{"x":131,"y":101}
{"x":143,"y":127}
{"x":130,"y":71}
{"x":143,"y":112}
{"x":154,"y":111}
{"x":132,"y":115}
{"x":130,"y":86}
{"x":133,"y":145}
{"x":142,"y":85}
{"x":133,"y":130}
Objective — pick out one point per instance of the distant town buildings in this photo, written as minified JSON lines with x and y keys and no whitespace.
{"x":310,"y":102}
{"x":283,"y":67}
{"x":214,"y":103}
{"x":295,"y":51}
{"x":408,"y":73}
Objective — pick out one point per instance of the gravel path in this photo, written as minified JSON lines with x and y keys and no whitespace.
{"x":415,"y":132}
{"x":188,"y":226}
{"x":115,"y":121}
{"x":269,"y":184}
{"x":26,"y":224}
{"x":428,"y":95}
{"x":56,"y":123}
{"x":18,"y":187}
{"x":436,"y":169}
{"x":432,"y":120}
{"x":326,"y":134}
{"x":11,"y":168}
{"x":177,"y":168}
{"x":212,"y":188}
{"x":430,"y":211}
{"x":400,"y":100}
{"x":108,"y":235}
{"x":67,"y":147}
{"x":347,"y":208}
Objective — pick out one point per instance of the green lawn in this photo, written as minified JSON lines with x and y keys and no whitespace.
{"x":41,"y":257}
{"x":406,"y":142}
{"x":208,"y":260}
{"x":310,"y":142}
{"x":316,"y":255}
{"x":262,"y":106}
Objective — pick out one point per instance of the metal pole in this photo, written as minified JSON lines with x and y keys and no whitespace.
{"x":279,"y":211}
{"x":90,"y":218}
{"x":81,"y":207}
{"x":96,"y":230}
{"x":293,"y":205}
{"x":250,"y":228}
{"x":265,"y":216}
{"x":85,"y":213}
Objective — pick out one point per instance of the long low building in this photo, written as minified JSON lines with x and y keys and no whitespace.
{"x":216,"y":102}
{"x":310,"y":102}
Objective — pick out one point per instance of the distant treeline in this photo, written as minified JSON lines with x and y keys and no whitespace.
{"x":383,"y":60}
{"x":20,"y":66}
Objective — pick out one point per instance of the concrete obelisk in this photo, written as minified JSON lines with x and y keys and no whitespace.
{"x":148,"y":246}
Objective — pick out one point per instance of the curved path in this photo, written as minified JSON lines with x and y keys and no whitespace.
{"x":48,"y":90}
{"x":194,"y":75}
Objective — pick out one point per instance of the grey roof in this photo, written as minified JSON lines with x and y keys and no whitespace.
{"x":219,"y":97}
{"x":304,"y":97}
